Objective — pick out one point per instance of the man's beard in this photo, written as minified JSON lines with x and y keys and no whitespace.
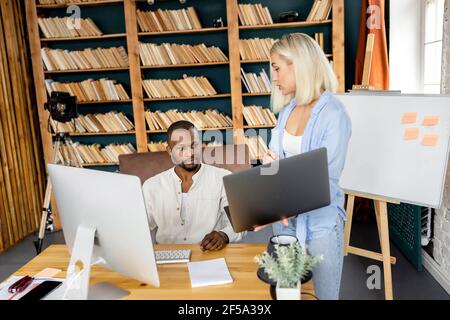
{"x":190,"y":166}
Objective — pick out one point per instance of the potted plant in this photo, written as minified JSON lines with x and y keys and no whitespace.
{"x":287,"y":266}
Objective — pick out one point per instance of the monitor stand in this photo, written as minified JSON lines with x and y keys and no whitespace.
{"x":78,"y":273}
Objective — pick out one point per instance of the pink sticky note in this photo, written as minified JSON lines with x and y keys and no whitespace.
{"x":47,"y":273}
{"x":409,"y":117}
{"x":411,"y":134}
{"x":430,"y":120}
{"x":430,"y":139}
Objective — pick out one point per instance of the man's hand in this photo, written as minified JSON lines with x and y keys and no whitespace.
{"x":215,"y":240}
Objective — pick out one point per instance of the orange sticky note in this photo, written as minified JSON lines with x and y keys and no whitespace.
{"x":409,"y":117}
{"x":430,"y":139}
{"x":47,"y":273}
{"x":430,"y":120}
{"x":411,"y":134}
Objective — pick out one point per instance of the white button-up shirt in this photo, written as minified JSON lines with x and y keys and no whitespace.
{"x":204,"y":211}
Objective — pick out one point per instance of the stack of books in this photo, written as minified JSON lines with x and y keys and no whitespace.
{"x":168,"y":20}
{"x":259,"y":116}
{"x":257,"y":147}
{"x":255,"y":49}
{"x":254,"y":14}
{"x":256,"y":84}
{"x":58,"y":59}
{"x":157,"y":146}
{"x":90,"y":90}
{"x":93,"y":154}
{"x":159,"y":120}
{"x":318,"y":36}
{"x":63,"y":28}
{"x":112,"y":121}
{"x":320,"y":10}
{"x":171,"y":54}
{"x":186,"y":87}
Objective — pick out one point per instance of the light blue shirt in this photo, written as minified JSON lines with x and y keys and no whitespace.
{"x":329,"y":126}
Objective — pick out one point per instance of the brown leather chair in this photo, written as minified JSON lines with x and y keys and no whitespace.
{"x":145,"y":165}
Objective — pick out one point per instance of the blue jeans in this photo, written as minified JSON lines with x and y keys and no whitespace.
{"x":327,"y":273}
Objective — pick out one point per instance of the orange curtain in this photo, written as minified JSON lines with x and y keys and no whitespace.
{"x":372,"y":21}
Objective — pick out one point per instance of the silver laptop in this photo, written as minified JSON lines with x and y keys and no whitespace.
{"x":255,"y":197}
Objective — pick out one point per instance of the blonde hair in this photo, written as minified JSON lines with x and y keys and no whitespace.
{"x":313,"y":72}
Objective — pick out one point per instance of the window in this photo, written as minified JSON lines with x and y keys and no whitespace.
{"x":432,"y":45}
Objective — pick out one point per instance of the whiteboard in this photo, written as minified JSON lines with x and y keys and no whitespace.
{"x":380,"y":162}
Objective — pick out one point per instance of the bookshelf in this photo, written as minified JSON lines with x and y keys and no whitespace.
{"x":120,"y":27}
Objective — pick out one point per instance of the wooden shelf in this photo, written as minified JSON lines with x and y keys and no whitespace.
{"x":105,"y":36}
{"x":217,"y":96}
{"x":106,"y":164}
{"x":187,"y":65}
{"x":87,"y":70}
{"x":247,"y":94}
{"x":200,"y":129}
{"x":81,"y":4}
{"x":259,"y":127}
{"x":287,"y":25}
{"x":164,"y":33}
{"x":268,"y":60}
{"x":105,"y":102}
{"x":80,"y":134}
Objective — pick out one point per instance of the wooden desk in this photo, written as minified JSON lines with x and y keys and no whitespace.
{"x":174,"y":278}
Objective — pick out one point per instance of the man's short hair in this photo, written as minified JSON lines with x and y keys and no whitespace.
{"x":182,"y":124}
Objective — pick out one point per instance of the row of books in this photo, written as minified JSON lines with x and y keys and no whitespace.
{"x":257,"y":147}
{"x":92,"y":154}
{"x":58,"y":59}
{"x":159,"y":120}
{"x":157,"y":146}
{"x":255,"y":49}
{"x":256,"y":83}
{"x":112,"y":121}
{"x":318,"y":36}
{"x":320,"y":10}
{"x":170,"y":54}
{"x":162,"y":145}
{"x":259,"y":116}
{"x":254,"y":14}
{"x":90,"y":90}
{"x":185,"y":87}
{"x":168,"y":20}
{"x":64,"y":27}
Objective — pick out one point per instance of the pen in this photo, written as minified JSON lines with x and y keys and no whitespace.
{"x":20,"y":284}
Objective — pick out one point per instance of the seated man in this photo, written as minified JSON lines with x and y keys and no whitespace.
{"x":186,"y":203}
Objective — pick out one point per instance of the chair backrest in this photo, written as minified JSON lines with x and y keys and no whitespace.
{"x":145,"y":165}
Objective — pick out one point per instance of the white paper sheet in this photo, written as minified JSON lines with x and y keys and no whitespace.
{"x":209,"y":272}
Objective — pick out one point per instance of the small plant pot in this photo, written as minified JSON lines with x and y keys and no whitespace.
{"x":274,"y":286}
{"x":288,"y":293}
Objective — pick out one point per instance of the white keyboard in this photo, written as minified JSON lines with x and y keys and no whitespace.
{"x":172,"y":256}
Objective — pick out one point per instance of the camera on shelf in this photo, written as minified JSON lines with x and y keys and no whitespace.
{"x":62,"y":106}
{"x":289,"y":16}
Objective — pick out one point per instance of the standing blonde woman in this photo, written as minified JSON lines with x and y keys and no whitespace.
{"x":310,"y":117}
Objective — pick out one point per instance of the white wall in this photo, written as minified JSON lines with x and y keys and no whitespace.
{"x":405,"y":46}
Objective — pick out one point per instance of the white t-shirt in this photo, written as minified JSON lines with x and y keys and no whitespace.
{"x":291,"y":144}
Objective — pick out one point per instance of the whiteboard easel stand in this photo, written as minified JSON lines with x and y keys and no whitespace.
{"x":381,"y":215}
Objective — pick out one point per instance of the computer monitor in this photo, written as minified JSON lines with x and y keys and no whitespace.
{"x":104,"y":221}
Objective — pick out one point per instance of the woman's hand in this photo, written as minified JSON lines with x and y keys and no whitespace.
{"x":269,"y":157}
{"x":285,"y":221}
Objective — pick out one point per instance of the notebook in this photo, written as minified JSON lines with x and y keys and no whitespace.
{"x":209,"y":272}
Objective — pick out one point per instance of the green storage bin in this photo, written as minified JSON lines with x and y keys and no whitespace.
{"x":405,"y":231}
